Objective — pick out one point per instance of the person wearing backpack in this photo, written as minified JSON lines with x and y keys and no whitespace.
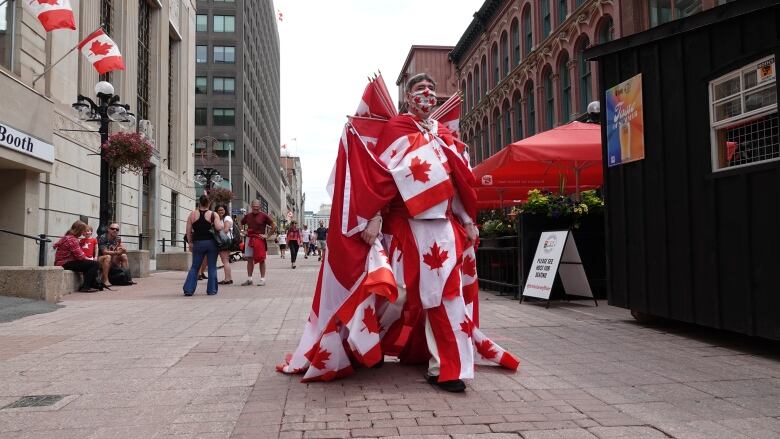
{"x":227,"y":237}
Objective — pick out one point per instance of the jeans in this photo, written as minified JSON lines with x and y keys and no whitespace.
{"x":293,"y":250}
{"x":88,"y":267}
{"x":202,"y":249}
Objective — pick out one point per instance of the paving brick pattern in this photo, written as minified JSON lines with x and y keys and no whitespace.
{"x":145,"y":362}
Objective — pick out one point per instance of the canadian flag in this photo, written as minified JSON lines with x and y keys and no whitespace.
{"x":53,"y":14}
{"x":102,"y":52}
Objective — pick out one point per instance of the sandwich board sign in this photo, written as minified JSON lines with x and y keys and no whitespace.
{"x":556,"y":253}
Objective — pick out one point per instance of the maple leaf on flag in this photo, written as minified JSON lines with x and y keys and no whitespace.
{"x":99,"y":48}
{"x":393,"y":153}
{"x":419,"y":170}
{"x":435,"y":259}
{"x":384,"y":254}
{"x":48,"y":2}
{"x":369,"y":319}
{"x":320,"y":359}
{"x":469,"y":266}
{"x":467,"y":326}
{"x":485,"y":348}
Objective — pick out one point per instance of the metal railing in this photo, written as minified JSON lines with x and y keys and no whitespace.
{"x":172,"y":242}
{"x":498,"y":264}
{"x":40,"y":240}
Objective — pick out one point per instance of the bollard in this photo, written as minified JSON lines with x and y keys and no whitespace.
{"x":42,"y":250}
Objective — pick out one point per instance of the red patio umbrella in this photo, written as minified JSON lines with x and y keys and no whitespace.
{"x":571,"y":151}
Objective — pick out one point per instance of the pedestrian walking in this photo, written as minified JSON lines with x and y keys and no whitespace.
{"x":293,"y":241}
{"x":313,"y":242}
{"x":202,"y":223}
{"x":322,"y":235}
{"x":281,"y":239}
{"x":257,"y":226}
{"x":305,"y":239}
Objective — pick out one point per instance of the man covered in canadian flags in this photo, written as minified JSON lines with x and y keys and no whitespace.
{"x":399,"y":276}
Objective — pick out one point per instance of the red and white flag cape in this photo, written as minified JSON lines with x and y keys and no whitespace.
{"x":53,"y":14}
{"x":102,"y":52}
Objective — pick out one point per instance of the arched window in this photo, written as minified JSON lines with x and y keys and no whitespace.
{"x":544,"y":17}
{"x":563,"y":10}
{"x":485,"y":139}
{"x":583,"y":70}
{"x":549,"y":99}
{"x":515,"y":31}
{"x":530,"y":109}
{"x":478,"y":145}
{"x":477,"y":90}
{"x":463,"y":105}
{"x":578,"y":3}
{"x":606,"y":30}
{"x":507,"y":124}
{"x":470,"y":93}
{"x":563,"y":70}
{"x":484,"y":77}
{"x":494,"y":60}
{"x":498,"y":142}
{"x":518,"y":110}
{"x":504,"y":55}
{"x":528,"y":32}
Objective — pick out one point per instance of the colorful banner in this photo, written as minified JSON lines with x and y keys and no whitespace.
{"x":625,"y":124}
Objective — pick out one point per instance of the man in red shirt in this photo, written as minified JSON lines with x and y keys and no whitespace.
{"x":256,"y":224}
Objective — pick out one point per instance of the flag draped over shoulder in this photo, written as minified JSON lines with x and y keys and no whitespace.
{"x":53,"y":14}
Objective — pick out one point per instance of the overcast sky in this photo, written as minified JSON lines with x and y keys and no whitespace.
{"x":328,"y":48}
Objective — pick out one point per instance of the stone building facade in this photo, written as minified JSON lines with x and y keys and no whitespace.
{"x":45,"y":195}
{"x":292,"y":183}
{"x":520,"y":65}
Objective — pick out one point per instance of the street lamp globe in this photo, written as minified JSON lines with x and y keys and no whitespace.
{"x":216,"y":178}
{"x":104,"y":87}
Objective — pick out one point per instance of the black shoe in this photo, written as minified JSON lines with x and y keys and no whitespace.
{"x":454,"y":386}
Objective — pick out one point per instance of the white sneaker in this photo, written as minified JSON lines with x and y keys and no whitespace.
{"x":247,"y":283}
{"x":261,"y":283}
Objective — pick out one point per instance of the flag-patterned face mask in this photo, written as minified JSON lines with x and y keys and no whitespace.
{"x":423,"y":101}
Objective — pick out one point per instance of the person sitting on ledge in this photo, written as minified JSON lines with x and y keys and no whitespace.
{"x":111,"y":251}
{"x":70,"y":257}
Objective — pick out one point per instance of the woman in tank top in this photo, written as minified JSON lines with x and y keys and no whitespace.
{"x":200,"y":224}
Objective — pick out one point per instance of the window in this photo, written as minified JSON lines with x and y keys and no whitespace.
{"x":743,"y":116}
{"x":478,"y":145}
{"x":201,"y":54}
{"x":563,"y":68}
{"x":477,"y":93}
{"x":484,"y":76}
{"x":504,"y":55}
{"x":144,"y":57}
{"x":174,"y":216}
{"x":496,"y":76}
{"x":7,"y":31}
{"x":530,"y":109}
{"x":224,"y":85}
{"x":528,"y":31}
{"x":606,"y":30}
{"x":549,"y":97}
{"x":224,"y":23}
{"x":518,"y":110}
{"x":664,"y":11}
{"x":485,"y":141}
{"x":224,"y":116}
{"x":173,"y":101}
{"x":515,"y":31}
{"x":200,"y":118}
{"x":463,"y":106}
{"x":583,"y":69}
{"x":107,"y":19}
{"x":222,"y":147}
{"x":578,"y":3}
{"x":201,"y":85}
{"x":470,"y":93}
{"x":507,"y":124}
{"x":201,"y":23}
{"x":563,"y":10}
{"x":224,"y":54}
{"x":545,"y":16}
{"x":497,"y":140}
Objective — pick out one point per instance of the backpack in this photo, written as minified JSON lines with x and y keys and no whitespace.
{"x":120,"y":276}
{"x":236,"y":242}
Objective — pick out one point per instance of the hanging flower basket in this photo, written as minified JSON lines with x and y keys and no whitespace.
{"x":130,"y":152}
{"x":220,"y":195}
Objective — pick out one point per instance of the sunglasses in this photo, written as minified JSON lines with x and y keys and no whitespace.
{"x":114,"y":228}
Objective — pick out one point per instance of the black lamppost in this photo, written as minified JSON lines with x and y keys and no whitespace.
{"x":107,"y":109}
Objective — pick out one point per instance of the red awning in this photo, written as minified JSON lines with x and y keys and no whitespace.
{"x":571,"y":151}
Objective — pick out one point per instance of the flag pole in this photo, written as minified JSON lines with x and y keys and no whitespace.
{"x":48,"y":69}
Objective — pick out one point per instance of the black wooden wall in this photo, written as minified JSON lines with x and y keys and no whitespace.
{"x":684,"y":242}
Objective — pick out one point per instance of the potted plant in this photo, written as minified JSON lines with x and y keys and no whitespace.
{"x":130,"y":152}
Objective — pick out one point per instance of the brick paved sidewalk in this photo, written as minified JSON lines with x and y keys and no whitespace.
{"x":145,"y":362}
